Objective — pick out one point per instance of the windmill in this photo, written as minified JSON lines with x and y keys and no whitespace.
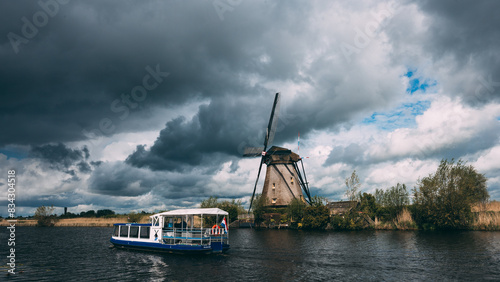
{"x":284,"y":181}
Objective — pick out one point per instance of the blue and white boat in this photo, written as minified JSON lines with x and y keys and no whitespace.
{"x":177,"y":231}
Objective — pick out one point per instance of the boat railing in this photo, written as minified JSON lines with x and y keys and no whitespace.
{"x":193,"y":236}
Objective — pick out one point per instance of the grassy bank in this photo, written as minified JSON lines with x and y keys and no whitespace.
{"x":79,"y":221}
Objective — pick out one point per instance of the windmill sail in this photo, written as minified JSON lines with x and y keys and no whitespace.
{"x":253,"y":151}
{"x":268,"y":139}
{"x":273,"y":122}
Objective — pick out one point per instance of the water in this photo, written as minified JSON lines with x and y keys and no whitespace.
{"x":83,"y":254}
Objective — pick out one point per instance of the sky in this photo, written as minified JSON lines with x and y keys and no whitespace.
{"x":148,"y":105}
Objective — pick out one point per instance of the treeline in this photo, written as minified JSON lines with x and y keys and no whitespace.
{"x":233,"y":207}
{"x":442,"y":200}
{"x":90,"y":213}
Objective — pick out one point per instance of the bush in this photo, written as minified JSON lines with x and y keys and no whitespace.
{"x":350,"y":221}
{"x":134,"y":217}
{"x":315,"y":217}
{"x":233,"y":208}
{"x":45,"y":217}
{"x":295,"y":210}
{"x":443,"y":200}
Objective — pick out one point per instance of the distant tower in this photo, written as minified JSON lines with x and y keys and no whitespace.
{"x":283,"y":181}
{"x":65,"y":210}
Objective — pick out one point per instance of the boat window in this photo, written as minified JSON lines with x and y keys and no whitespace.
{"x":115,"y":232}
{"x":156,"y":221}
{"x":145,"y":232}
{"x":123,"y":231}
{"x":134,"y":231}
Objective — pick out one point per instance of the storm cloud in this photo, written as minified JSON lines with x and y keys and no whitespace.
{"x":151,"y":103}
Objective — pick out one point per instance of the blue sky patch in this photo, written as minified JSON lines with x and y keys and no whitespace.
{"x":418,"y":83}
{"x":401,"y":117}
{"x":16,"y":154}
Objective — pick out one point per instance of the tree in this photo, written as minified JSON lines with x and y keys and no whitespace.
{"x":318,"y":201}
{"x":353,"y":186}
{"x":45,"y":216}
{"x":315,"y":217}
{"x":444,"y":199}
{"x":259,"y":208}
{"x":90,"y":213}
{"x":209,"y":203}
{"x":106,"y":212}
{"x":295,"y":210}
{"x":134,"y":217}
{"x":233,"y":207}
{"x":368,"y":204}
{"x":392,"y":201}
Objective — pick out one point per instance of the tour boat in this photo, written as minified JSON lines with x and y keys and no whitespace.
{"x":176,"y":231}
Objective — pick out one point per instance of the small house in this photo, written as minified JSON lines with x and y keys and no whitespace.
{"x":342,"y":207}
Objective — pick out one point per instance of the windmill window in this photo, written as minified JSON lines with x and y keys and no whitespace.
{"x":291,"y":180}
{"x":274,"y":185}
{"x":274,"y":200}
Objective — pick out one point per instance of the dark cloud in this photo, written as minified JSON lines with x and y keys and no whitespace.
{"x":59,"y":156}
{"x":73,"y":81}
{"x":84,"y":167}
{"x":352,"y":154}
{"x":67,"y":77}
{"x":464,"y":35}
{"x":62,"y":158}
{"x":120,"y":179}
{"x":218,"y":131}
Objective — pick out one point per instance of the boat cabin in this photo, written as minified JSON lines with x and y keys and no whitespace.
{"x":187,"y":230}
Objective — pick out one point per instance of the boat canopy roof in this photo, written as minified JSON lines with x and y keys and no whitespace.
{"x":209,"y":211}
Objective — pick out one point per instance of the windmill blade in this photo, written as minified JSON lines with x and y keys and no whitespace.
{"x":255,"y":186}
{"x":253,"y":151}
{"x":273,"y":122}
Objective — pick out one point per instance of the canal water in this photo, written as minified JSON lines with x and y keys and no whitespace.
{"x":84,"y":254}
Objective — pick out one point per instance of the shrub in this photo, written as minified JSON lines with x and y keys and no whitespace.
{"x":315,"y":217}
{"x":45,"y":217}
{"x":443,"y":200}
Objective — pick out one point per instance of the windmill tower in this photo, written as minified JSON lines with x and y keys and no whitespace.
{"x":284,"y":181}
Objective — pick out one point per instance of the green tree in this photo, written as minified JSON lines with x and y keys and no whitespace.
{"x":209,"y":203}
{"x":45,"y":216}
{"x":296,"y":210}
{"x":318,"y":201}
{"x":233,"y":207}
{"x":444,"y":199}
{"x":391,"y":201}
{"x":368,"y":204}
{"x":134,"y":217}
{"x":315,"y":217}
{"x":353,"y":185}
{"x":259,"y":208}
{"x":104,"y":213}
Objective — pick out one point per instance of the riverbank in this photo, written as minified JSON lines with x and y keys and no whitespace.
{"x":78,"y":222}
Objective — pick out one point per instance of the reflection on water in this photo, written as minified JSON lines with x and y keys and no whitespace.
{"x":73,"y":253}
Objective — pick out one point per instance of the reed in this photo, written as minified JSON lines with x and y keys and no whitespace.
{"x":489,"y":220}
{"x":80,"y":221}
{"x":493,"y":206}
{"x":404,"y":221}
{"x":381,"y":225}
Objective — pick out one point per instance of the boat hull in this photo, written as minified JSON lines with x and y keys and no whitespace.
{"x":214,"y":247}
